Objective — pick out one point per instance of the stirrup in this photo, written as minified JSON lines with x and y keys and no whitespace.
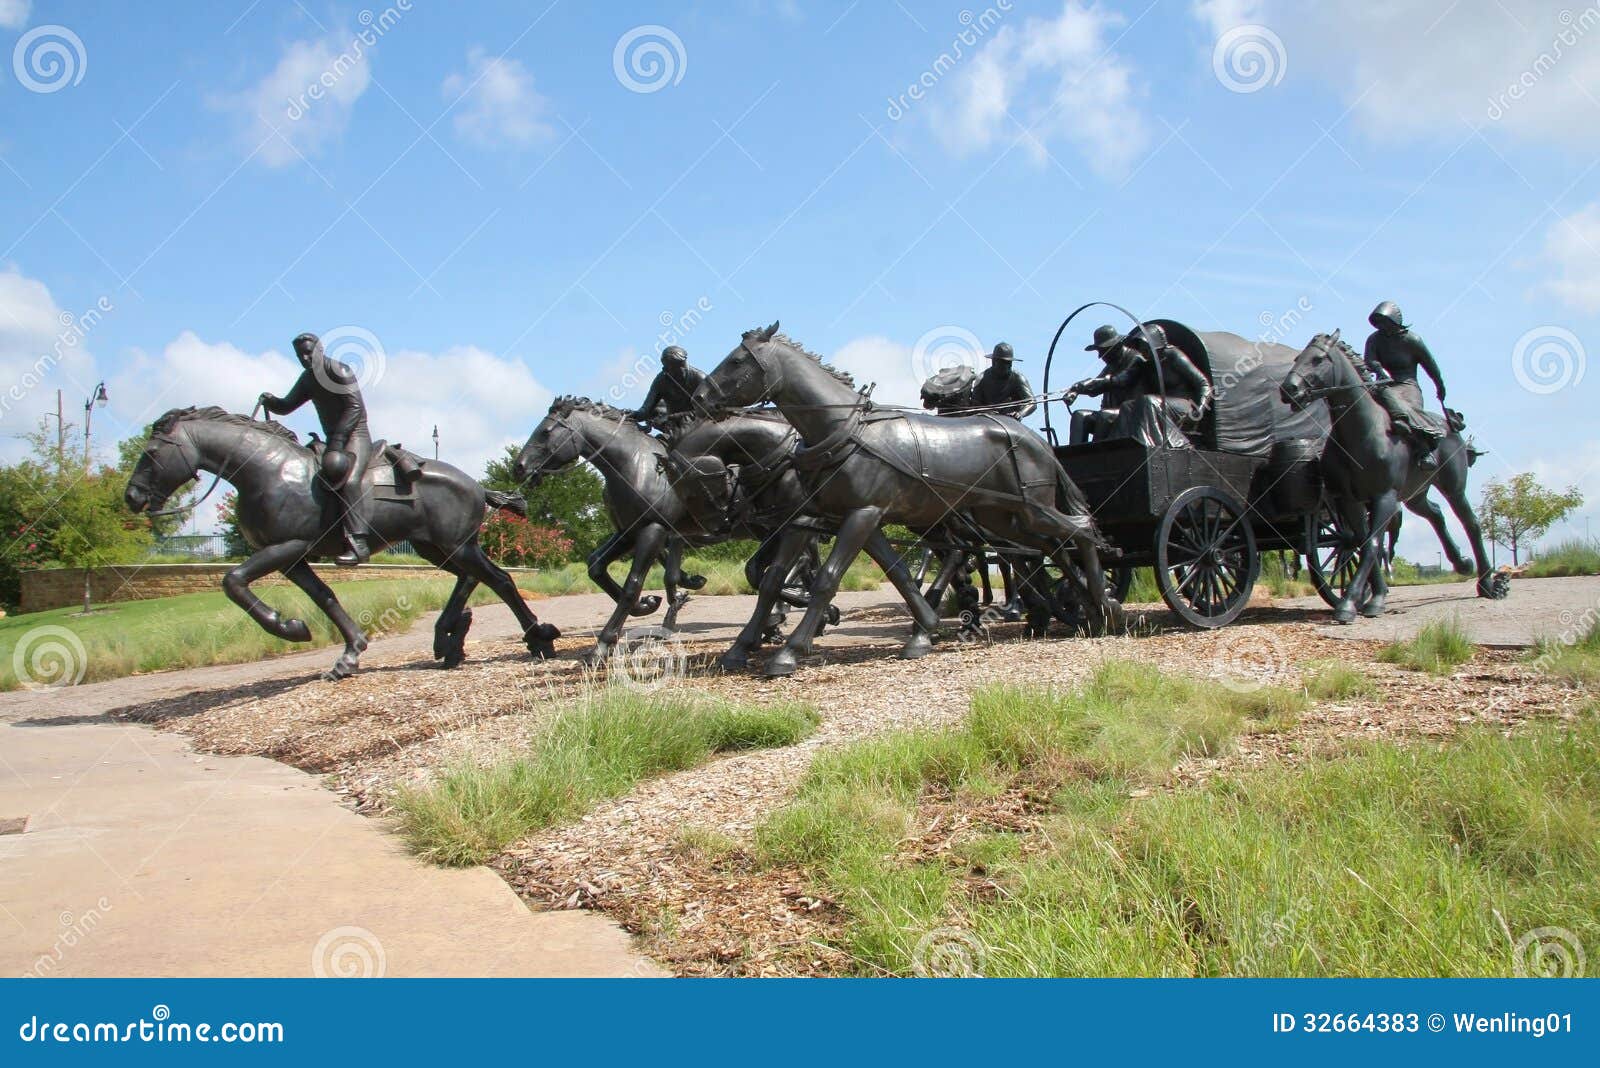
{"x":355,"y":553}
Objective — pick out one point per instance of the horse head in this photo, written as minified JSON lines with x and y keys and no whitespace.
{"x":1322,"y":367}
{"x":573,"y":429}
{"x":169,"y":460}
{"x":743,"y":377}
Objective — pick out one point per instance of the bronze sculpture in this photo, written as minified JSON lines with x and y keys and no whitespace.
{"x":1113,"y":385}
{"x":1372,"y":466}
{"x":863,"y":467}
{"x":332,"y":389}
{"x":671,"y":393}
{"x":1002,"y":389}
{"x":1394,"y":354}
{"x":289,"y":517}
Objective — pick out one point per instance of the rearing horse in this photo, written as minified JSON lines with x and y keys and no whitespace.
{"x":864,"y":467}
{"x":1370,"y":470}
{"x":289,"y":518}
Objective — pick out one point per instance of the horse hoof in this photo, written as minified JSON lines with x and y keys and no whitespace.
{"x":1344,"y":615}
{"x":541,"y":650}
{"x":781,"y":664}
{"x":647,"y":604}
{"x":1373,"y":608}
{"x":918,"y":647}
{"x":452,"y":660}
{"x":692,"y":582}
{"x":295,"y":630}
{"x":833,"y":615}
{"x":732,"y":661}
{"x":1495,"y":586}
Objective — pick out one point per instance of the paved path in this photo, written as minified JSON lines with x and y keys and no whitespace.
{"x":142,"y":857}
{"x":1537,"y":608}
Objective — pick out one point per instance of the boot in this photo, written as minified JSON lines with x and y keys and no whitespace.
{"x":356,"y":553}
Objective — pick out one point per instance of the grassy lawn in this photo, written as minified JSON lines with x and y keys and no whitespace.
{"x":723,"y":577}
{"x":599,"y":748}
{"x":1386,"y":860}
{"x":194,"y":629}
{"x":1576,"y":557}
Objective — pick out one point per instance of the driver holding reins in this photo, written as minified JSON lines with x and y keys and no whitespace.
{"x":333,"y":390}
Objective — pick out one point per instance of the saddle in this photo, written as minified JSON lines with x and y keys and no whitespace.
{"x":391,"y":470}
{"x":709,"y":486}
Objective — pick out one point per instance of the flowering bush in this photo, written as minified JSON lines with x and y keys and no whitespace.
{"x":514,"y":542}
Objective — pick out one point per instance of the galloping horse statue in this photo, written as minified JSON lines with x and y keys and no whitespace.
{"x":652,"y":508}
{"x":290,"y":518}
{"x":863,"y":467}
{"x":1370,"y":470}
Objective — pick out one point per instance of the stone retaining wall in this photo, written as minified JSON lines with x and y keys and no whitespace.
{"x":60,"y":587}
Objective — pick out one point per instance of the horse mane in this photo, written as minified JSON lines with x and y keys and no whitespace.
{"x":567,"y":405}
{"x":761,"y":333}
{"x":1337,"y":345}
{"x":213,"y":414}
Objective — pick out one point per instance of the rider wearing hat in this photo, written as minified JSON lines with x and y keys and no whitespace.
{"x":1393,"y":355}
{"x":332,"y":388}
{"x":1178,"y":389}
{"x":1002,"y":390}
{"x":672,"y":392}
{"x":1118,"y":357}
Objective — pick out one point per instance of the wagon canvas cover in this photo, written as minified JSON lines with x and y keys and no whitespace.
{"x":1247,"y":414}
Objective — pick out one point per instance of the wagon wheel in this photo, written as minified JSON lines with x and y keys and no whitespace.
{"x":1333,"y":554}
{"x":1206,"y":561}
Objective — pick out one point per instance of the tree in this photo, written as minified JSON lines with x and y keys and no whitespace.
{"x":1517,"y":512}
{"x":571,"y":501}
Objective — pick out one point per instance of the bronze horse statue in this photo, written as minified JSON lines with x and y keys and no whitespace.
{"x":290,"y":518}
{"x":862,"y":467}
{"x":653,"y":504}
{"x":1370,"y":470}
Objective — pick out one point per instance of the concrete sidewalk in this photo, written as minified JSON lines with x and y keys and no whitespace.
{"x":143,"y":858}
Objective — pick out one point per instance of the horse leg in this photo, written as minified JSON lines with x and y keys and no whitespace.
{"x":475,"y":563}
{"x":1364,"y":589}
{"x":924,"y":613}
{"x":236,"y":584}
{"x":455,"y":618}
{"x":1008,"y":575}
{"x":1356,"y":520}
{"x":792,"y":542}
{"x":672,"y":577}
{"x":648,"y":544}
{"x":1490,"y":584}
{"x":1429,"y":509}
{"x":600,"y":561}
{"x":857,"y":527}
{"x":355,"y":643}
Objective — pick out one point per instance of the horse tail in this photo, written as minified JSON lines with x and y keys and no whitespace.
{"x":514,"y":503}
{"x":1072,"y":501}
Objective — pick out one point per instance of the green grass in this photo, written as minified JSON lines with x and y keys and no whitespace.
{"x":1387,"y":860}
{"x":195,"y":629}
{"x":1437,"y":648}
{"x":1574,"y":557}
{"x":1334,"y":680}
{"x":1573,"y":659}
{"x":596,"y":749}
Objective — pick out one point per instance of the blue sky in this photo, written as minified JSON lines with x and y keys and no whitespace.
{"x":507,"y":201}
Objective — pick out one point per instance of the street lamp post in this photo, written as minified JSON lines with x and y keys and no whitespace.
{"x":97,"y":399}
{"x":436,"y":441}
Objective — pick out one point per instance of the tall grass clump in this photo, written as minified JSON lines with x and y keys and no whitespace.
{"x":1573,"y":557}
{"x":1438,"y":648}
{"x":1573,"y":660}
{"x":598,"y":748}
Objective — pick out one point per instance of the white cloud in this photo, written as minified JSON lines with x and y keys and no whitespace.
{"x":1412,"y":68}
{"x":43,"y":347}
{"x":14,"y":13}
{"x":1572,"y":248}
{"x":479,"y":401}
{"x":1060,"y":79}
{"x":500,"y":104}
{"x":305,"y":102}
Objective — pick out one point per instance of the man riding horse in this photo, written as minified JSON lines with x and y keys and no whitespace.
{"x":1393,"y":355}
{"x":671,"y":394}
{"x":333,"y":390}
